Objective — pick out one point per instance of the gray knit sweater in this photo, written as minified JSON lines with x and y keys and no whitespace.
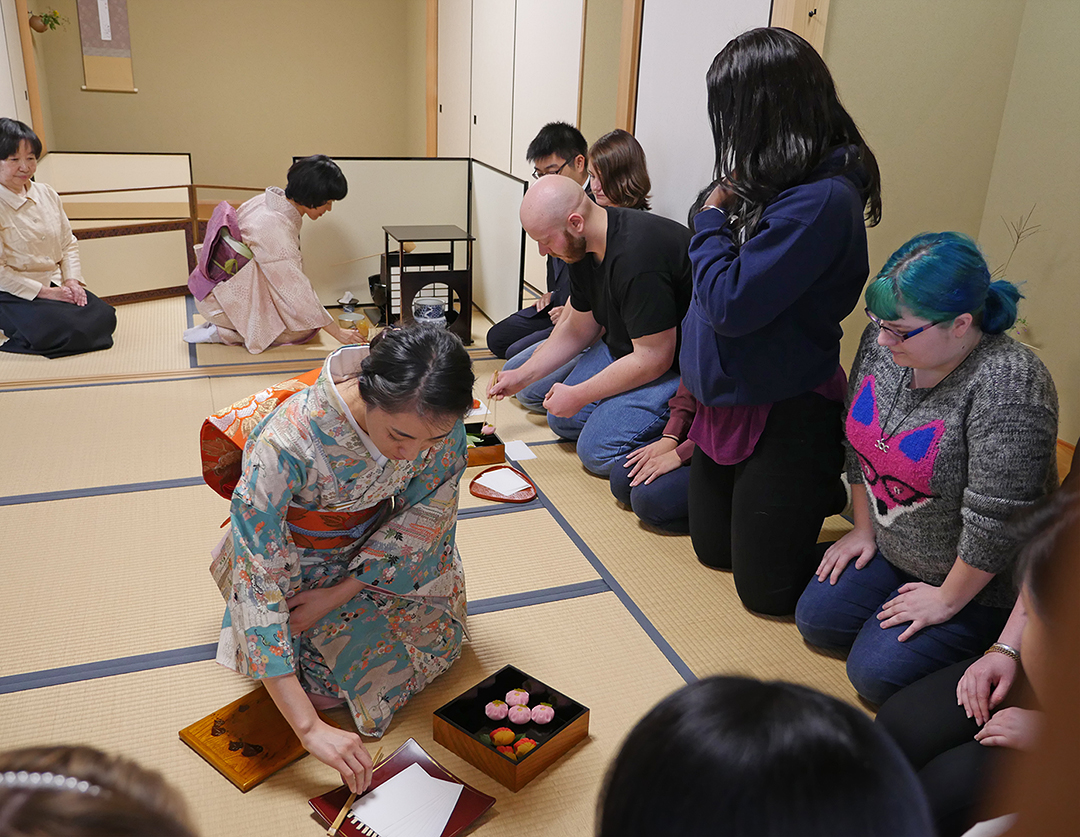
{"x":957,"y":461}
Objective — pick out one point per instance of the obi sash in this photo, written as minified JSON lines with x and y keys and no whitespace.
{"x":224,"y":434}
{"x":318,"y":529}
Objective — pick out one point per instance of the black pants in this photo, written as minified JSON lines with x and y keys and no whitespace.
{"x":761,"y":517}
{"x":938,"y":738}
{"x":55,"y":329}
{"x":518,"y":331}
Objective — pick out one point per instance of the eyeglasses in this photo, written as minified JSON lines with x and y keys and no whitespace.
{"x":900,"y":335}
{"x":537,"y":174}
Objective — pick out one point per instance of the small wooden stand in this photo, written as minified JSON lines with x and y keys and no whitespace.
{"x":246,"y":741}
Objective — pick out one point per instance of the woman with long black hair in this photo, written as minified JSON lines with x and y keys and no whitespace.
{"x":779,"y":260}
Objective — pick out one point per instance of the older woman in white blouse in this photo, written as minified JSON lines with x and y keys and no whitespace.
{"x":44,"y":308}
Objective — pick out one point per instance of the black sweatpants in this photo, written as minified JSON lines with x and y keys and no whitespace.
{"x":761,"y":517}
{"x":939,"y":740}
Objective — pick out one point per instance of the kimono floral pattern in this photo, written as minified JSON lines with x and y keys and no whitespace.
{"x":406,"y":627}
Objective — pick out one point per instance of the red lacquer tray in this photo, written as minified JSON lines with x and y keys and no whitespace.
{"x":485,"y":493}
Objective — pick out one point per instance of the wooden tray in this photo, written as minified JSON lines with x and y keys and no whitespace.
{"x":485,"y":493}
{"x":246,"y":741}
{"x":471,"y":804}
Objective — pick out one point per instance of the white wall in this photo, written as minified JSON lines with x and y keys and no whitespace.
{"x":679,"y":39}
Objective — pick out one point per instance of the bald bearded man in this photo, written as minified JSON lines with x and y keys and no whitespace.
{"x":630,"y":281}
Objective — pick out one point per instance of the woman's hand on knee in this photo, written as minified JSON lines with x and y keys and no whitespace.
{"x":652,"y":461}
{"x":859,"y":544}
{"x":984,"y":685}
{"x":919,"y":603}
{"x":341,"y":750}
{"x":1014,"y":728}
{"x":63,"y":294}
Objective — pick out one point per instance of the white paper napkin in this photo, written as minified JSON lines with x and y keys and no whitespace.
{"x":503,"y":481}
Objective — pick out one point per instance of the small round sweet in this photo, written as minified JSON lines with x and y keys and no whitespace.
{"x":496,"y":710}
{"x":519,"y":714}
{"x":523,"y":746}
{"x":487,"y":430}
{"x":543,"y":713}
{"x":503,"y":735}
{"x":508,"y":752}
{"x":517,"y":697}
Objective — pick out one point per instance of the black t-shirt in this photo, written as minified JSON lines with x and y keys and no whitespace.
{"x":644,"y":284}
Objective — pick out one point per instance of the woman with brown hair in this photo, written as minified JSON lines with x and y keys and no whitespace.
{"x":83,"y":792}
{"x":618,"y":175}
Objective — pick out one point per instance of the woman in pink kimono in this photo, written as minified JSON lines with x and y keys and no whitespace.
{"x":341,"y":575}
{"x":270,"y":302}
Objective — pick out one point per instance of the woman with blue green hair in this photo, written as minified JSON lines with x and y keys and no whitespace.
{"x":951,"y":431}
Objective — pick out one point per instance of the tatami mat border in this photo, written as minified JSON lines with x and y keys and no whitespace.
{"x":503,"y":508}
{"x":624,"y":597}
{"x":99,"y":491}
{"x":200,"y":653}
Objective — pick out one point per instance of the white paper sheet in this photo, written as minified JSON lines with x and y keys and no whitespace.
{"x":477,"y":411}
{"x":518,"y":450}
{"x":410,"y":804}
{"x":502,"y":480}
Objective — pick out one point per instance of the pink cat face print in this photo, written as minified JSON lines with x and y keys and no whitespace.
{"x":897,"y":469}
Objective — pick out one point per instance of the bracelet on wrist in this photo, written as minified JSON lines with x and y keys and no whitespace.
{"x":675,"y":439}
{"x":1002,"y":648}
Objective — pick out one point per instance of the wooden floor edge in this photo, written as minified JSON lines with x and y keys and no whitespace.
{"x":285,"y":366}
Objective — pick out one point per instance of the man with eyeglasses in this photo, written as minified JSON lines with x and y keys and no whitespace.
{"x":630,"y":278}
{"x":559,"y":149}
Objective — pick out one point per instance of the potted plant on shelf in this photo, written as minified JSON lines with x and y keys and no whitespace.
{"x":45,"y":21}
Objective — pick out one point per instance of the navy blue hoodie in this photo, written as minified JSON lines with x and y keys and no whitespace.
{"x":764,"y":321}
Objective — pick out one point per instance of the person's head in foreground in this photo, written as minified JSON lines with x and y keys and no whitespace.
{"x":559,"y":148}
{"x":555,"y":213}
{"x":617,"y":171}
{"x":82,"y":792}
{"x":19,"y":152}
{"x":415,"y":385}
{"x":934,"y":299}
{"x":1044,"y":561}
{"x":314,"y":183}
{"x":775,"y":118}
{"x":733,"y":756}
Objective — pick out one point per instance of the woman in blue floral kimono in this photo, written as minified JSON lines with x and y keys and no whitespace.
{"x":341,"y":573}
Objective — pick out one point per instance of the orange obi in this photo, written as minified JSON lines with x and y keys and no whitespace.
{"x":224,"y":434}
{"x":317,"y":529}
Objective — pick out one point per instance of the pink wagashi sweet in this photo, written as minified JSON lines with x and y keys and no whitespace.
{"x":496,"y":710}
{"x":543,"y":713}
{"x":503,"y":735}
{"x":517,"y":697}
{"x":487,"y":430}
{"x":519,"y":714}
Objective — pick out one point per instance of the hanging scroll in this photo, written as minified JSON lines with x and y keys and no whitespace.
{"x":106,"y":46}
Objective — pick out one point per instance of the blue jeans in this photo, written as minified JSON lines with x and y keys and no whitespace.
{"x":844,"y":616}
{"x":663,"y":503}
{"x":610,"y":428}
{"x":532,"y":397}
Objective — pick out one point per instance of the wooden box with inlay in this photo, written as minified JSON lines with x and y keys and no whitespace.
{"x":459,"y":724}
{"x":490,"y":450}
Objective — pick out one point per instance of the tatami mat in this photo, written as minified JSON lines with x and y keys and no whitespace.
{"x":77,"y":437}
{"x":664,"y":578}
{"x":111,"y":576}
{"x":147,"y":340}
{"x":588,"y":648}
{"x":147,"y":554}
{"x":518,"y":552}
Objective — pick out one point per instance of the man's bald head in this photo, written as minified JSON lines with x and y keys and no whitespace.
{"x":548,"y":205}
